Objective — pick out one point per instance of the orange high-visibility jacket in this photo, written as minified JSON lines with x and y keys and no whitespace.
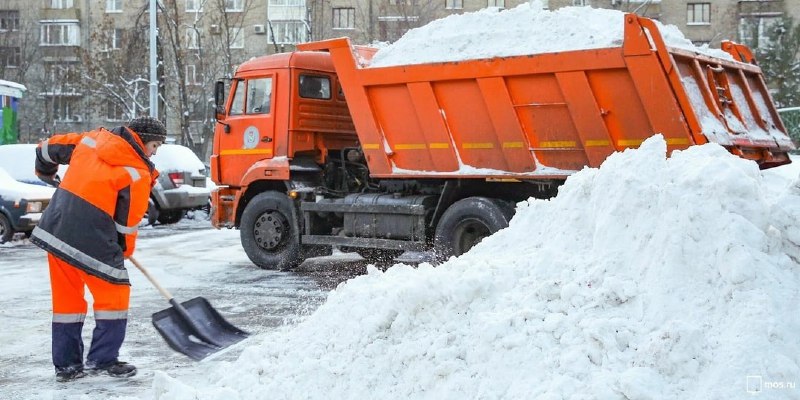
{"x":92,"y":219}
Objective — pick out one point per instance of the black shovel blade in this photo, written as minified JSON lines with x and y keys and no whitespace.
{"x":195,"y":328}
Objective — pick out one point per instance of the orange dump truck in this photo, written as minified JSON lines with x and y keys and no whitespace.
{"x":434,"y":156}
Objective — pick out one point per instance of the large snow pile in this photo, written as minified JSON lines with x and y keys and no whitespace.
{"x":525,"y":29}
{"x":648,"y":278}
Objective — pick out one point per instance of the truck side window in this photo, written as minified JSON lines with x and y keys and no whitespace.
{"x":259,"y":92}
{"x":315,"y":87}
{"x":237,"y":107}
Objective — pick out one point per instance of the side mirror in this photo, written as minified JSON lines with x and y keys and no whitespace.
{"x":219,"y":100}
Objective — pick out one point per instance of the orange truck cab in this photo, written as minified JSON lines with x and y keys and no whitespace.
{"x":434,"y":156}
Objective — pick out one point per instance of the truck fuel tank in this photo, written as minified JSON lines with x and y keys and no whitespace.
{"x":387,"y":216}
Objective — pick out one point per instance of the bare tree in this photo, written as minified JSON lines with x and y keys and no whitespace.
{"x":113,"y":73}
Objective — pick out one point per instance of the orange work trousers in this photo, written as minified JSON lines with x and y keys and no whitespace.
{"x":111,"y":303}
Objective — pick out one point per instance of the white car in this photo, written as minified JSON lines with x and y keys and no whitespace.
{"x":180,"y":187}
{"x":21,"y":205}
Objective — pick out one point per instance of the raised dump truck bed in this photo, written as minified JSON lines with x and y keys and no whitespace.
{"x":548,"y":115}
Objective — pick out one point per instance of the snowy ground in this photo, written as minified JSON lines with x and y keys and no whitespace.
{"x":191,"y":259}
{"x":492,"y":331}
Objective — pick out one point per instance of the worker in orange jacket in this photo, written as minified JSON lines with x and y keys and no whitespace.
{"x":88,"y":229}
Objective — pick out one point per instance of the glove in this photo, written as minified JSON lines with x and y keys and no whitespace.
{"x":52,"y":180}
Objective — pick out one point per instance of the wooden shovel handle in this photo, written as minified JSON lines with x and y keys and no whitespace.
{"x":152,"y":280}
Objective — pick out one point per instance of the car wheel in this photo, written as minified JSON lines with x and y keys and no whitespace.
{"x":152,"y":213}
{"x":6,"y":231}
{"x":468,"y":221}
{"x":269,"y":231}
{"x":170,"y":217}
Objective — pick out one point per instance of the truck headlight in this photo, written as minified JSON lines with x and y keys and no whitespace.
{"x":34,"y":207}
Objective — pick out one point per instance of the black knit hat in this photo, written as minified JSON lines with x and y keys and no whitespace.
{"x":149,"y":129}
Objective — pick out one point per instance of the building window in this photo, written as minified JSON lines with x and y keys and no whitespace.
{"x":113,"y":6}
{"x":392,"y":27}
{"x":453,"y":4}
{"x":66,"y":109}
{"x":194,"y":6}
{"x":60,"y":34}
{"x":116,"y":38}
{"x":754,"y":30}
{"x":114,"y":112}
{"x":10,"y":56}
{"x":234,"y":5}
{"x":496,"y":3}
{"x":580,"y":3}
{"x":192,"y":38}
{"x":236,"y":38}
{"x":289,"y":32}
{"x":344,"y":18}
{"x":698,"y":14}
{"x":59,"y":3}
{"x":9,"y":20}
{"x":191,"y":75}
{"x":295,"y":3}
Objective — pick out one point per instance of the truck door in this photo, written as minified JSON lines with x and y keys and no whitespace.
{"x":252,"y":128}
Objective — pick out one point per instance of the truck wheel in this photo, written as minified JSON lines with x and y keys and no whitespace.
{"x":170,"y":217}
{"x":6,"y":231}
{"x":378,"y":255}
{"x":468,"y":221}
{"x":269,"y":231}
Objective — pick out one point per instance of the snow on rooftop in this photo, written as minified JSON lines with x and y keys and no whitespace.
{"x":525,"y":29}
{"x":648,"y":278}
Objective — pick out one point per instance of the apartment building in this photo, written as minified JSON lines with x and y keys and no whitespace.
{"x":85,"y":62}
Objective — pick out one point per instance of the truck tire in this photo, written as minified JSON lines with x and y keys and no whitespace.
{"x":152,"y":212}
{"x":6,"y":231}
{"x":270,"y":233}
{"x":468,"y":221}
{"x":170,"y":217}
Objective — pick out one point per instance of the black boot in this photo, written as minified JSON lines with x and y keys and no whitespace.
{"x":69,"y":373}
{"x":117,"y":369}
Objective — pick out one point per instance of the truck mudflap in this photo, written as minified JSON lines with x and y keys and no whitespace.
{"x":223,"y":207}
{"x":548,"y":115}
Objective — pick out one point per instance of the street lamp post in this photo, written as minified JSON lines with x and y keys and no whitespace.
{"x":153,"y":62}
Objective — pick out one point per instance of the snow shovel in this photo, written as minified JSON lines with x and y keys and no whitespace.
{"x":194,"y":327}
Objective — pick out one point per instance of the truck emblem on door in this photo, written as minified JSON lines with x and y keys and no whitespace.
{"x":250,"y":137}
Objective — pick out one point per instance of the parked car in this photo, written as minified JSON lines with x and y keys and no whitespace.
{"x":18,"y":161}
{"x":21,"y":205}
{"x":181,"y":186}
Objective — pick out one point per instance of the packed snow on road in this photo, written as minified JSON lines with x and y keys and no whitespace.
{"x":651,"y":277}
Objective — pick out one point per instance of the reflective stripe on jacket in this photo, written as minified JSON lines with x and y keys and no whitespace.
{"x":92,"y":219}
